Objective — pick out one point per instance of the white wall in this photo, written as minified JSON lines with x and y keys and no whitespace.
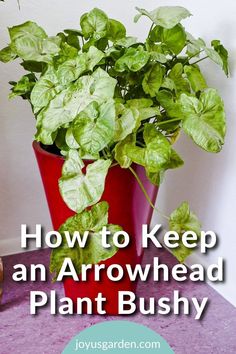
{"x":207,"y":181}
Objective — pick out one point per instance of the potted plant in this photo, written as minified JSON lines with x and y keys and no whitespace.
{"x":108,"y":110}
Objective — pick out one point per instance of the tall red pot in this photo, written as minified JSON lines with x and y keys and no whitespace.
{"x":128,"y":208}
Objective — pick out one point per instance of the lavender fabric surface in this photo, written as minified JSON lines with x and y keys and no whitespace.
{"x":22,"y":333}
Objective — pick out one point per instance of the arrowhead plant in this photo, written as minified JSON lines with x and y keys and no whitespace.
{"x":98,"y":93}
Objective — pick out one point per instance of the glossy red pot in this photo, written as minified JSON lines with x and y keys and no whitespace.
{"x":128,"y":208}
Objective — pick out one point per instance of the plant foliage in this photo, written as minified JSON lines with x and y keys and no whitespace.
{"x":97,"y":92}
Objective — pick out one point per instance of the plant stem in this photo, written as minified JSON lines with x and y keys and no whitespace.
{"x":198,"y":61}
{"x":104,"y":154}
{"x":192,"y":56}
{"x":140,"y":144}
{"x":141,"y":129}
{"x":145,"y":193}
{"x":114,"y":164}
{"x":167,"y":121}
{"x":150,"y":29}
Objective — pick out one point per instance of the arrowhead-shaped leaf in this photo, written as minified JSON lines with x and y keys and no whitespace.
{"x":94,"y":128}
{"x":30,"y":42}
{"x":45,"y":89}
{"x":181,"y":220}
{"x":94,"y":24}
{"x":93,"y":221}
{"x":81,"y":190}
{"x":204,"y":119}
{"x":127,"y":120}
{"x":195,"y":77}
{"x":134,"y":59}
{"x":71,"y":101}
{"x":165,"y":16}
{"x":153,"y":79}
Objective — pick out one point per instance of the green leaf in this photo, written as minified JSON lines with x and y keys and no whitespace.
{"x":88,"y":220}
{"x":155,"y":177}
{"x":153,"y":79}
{"x":161,"y":58}
{"x":223,"y":53}
{"x":66,"y":52}
{"x":60,"y":140}
{"x":51,"y":46}
{"x":155,"y":34}
{"x":23,"y":87}
{"x":156,"y":154}
{"x":93,"y":253}
{"x":73,"y":41}
{"x":104,"y":85}
{"x":140,"y":103}
{"x":45,"y":89}
{"x":27,"y":29}
{"x":204,"y":119}
{"x":143,"y":105}
{"x":181,"y":220}
{"x":80,"y":191}
{"x":94,"y":56}
{"x":127,"y":120}
{"x":31,"y":43}
{"x":34,"y":66}
{"x":73,"y":31}
{"x":166,"y":100}
{"x":94,"y":128}
{"x":175,"y":161}
{"x":71,"y":69}
{"x":174,"y":38}
{"x":70,"y":102}
{"x":168,"y":84}
{"x":70,"y":139}
{"x":194,"y":45}
{"x":195,"y":77}
{"x":214,"y":56}
{"x":133,"y":60}
{"x":27,"y":40}
{"x":93,"y":221}
{"x":126,"y":42}
{"x":86,"y":156}
{"x":7,"y":54}
{"x":151,"y":112}
{"x":115,"y":30}
{"x":165,"y":16}
{"x":121,"y":151}
{"x":176,"y":75}
{"x":94,"y":24}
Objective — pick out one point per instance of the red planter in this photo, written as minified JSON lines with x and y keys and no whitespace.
{"x":128,"y":208}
